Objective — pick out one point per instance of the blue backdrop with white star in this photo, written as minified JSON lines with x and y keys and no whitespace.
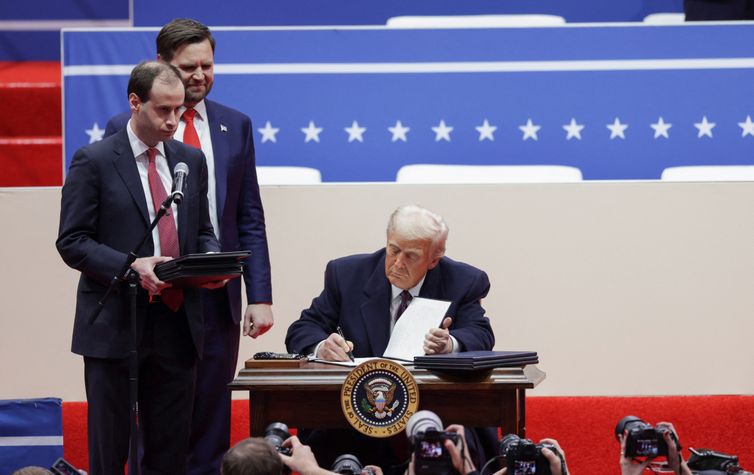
{"x":618,"y":102}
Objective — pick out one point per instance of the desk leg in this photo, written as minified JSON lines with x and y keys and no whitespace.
{"x":257,"y":412}
{"x":514,"y":413}
{"x":522,"y":413}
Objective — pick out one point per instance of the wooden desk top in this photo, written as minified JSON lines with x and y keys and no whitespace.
{"x":320,"y":376}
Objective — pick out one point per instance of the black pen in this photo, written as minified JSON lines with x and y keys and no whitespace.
{"x":349,"y":352}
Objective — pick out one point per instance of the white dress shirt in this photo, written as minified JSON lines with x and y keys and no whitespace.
{"x":139,"y":150}
{"x":395,"y":302}
{"x":201,"y":124}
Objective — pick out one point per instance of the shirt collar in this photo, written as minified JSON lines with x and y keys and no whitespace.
{"x":414,"y":291}
{"x":137,"y":146}
{"x":200,"y":108}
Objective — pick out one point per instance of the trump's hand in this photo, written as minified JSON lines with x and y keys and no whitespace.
{"x":335,"y":348}
{"x":437,"y":340}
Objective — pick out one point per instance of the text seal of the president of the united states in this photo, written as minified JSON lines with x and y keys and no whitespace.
{"x":378,"y":397}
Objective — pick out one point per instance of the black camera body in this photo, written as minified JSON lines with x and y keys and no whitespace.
{"x":643,"y":440}
{"x":430,"y":456}
{"x":710,"y":462}
{"x":524,"y":457}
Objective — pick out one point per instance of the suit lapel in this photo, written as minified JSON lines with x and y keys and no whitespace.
{"x":375,"y":311}
{"x":173,"y":157}
{"x":432,"y":287}
{"x":219,"y":133}
{"x":125,"y":164}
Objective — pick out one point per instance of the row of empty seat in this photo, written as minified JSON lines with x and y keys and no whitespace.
{"x":449,"y":174}
{"x":509,"y":21}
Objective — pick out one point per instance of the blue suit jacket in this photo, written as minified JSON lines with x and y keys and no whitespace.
{"x":239,"y":206}
{"x":103,"y":216}
{"x":357,"y":297}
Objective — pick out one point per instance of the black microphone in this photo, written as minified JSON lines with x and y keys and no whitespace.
{"x":180,"y":172}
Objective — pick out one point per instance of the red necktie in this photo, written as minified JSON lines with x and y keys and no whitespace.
{"x":165,"y":228}
{"x":190,"y":137}
{"x":405,"y":300}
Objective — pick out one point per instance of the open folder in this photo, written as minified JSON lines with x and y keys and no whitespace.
{"x":194,"y":270}
{"x":407,"y":337}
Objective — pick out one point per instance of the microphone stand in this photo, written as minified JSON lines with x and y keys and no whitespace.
{"x":128,"y":275}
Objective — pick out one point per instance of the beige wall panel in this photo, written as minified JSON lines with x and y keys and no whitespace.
{"x":630,"y":288}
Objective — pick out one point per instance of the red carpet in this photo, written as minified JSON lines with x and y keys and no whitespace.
{"x":31,"y":151}
{"x":583,"y":426}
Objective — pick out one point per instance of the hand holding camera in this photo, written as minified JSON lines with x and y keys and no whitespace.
{"x":301,"y":458}
{"x":641,"y":444}
{"x":524,"y":457}
{"x":437,"y":451}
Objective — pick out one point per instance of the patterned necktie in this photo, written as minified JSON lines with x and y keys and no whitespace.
{"x":165,"y":228}
{"x":405,"y":300}
{"x":190,"y":137}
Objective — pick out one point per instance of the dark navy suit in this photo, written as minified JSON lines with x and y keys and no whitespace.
{"x":357,"y":297}
{"x":103,"y":217}
{"x":242,"y":226}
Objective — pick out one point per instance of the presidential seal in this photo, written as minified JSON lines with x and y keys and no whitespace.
{"x":378,"y":397}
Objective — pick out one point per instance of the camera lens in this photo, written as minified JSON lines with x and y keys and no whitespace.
{"x":422,"y":421}
{"x":627,"y":424}
{"x":276,"y":433}
{"x":507,"y":441}
{"x":348,"y":464}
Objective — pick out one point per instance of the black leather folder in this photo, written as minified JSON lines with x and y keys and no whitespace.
{"x":194,"y":270}
{"x":476,"y":360}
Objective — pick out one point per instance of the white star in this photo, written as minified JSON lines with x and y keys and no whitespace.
{"x":268,"y":132}
{"x":312,"y":132}
{"x":399,"y":131}
{"x":747,"y":128}
{"x":95,"y":133}
{"x":442,"y":132}
{"x":661,"y":128}
{"x":486,"y":131}
{"x":573,"y":130}
{"x":617,"y":129}
{"x":705,"y":128}
{"x":355,"y":132}
{"x":529,"y":130}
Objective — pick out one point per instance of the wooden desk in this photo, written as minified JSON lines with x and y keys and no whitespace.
{"x":309,"y":397}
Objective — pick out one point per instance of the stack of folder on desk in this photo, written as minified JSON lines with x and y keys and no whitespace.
{"x":476,"y":360}
{"x":193,"y":270}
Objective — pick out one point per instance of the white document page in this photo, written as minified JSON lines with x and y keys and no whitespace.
{"x":349,"y":363}
{"x":407,"y":339}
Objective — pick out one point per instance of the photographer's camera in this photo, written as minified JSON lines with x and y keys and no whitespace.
{"x":425,"y":431}
{"x":524,"y":457}
{"x":643,"y":440}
